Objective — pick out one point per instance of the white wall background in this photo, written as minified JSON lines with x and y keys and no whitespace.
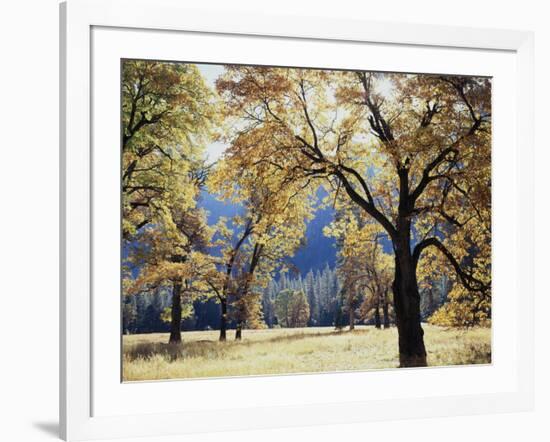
{"x":29,"y":229}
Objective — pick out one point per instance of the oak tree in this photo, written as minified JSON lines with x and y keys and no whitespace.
{"x":411,"y":151}
{"x":263,"y":238}
{"x":167,"y":115}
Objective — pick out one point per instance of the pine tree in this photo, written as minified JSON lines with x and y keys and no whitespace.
{"x":309,"y":287}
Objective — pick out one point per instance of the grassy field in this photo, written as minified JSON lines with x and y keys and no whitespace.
{"x":304,"y":350}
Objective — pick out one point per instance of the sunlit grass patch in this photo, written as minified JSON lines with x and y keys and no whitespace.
{"x":282,"y":351}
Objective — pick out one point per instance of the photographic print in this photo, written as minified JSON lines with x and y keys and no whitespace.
{"x":284,"y":220}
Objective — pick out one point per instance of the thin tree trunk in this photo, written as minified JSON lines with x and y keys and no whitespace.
{"x":377,"y":323}
{"x":223,"y":319}
{"x":385,"y":308}
{"x":351,"y":318}
{"x":238,"y":331}
{"x":175,"y":322}
{"x":412,"y":352}
{"x":256,"y":254}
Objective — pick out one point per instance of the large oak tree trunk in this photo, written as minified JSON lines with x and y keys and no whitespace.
{"x":175,"y":320}
{"x":223,"y":320}
{"x":412,"y":352}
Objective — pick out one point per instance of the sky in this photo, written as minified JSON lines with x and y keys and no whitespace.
{"x":211,"y":72}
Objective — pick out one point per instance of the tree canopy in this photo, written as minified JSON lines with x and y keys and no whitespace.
{"x":411,"y":151}
{"x":404,"y":161}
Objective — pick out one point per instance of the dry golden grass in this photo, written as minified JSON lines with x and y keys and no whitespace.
{"x":279,"y":351}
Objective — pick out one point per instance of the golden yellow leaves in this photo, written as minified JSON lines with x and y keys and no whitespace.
{"x":463,"y":309}
{"x":164,"y":272}
{"x":167,"y":115}
{"x":390,"y":150}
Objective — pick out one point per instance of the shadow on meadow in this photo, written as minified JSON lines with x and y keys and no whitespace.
{"x":210,"y":349}
{"x":287,"y":351}
{"x":171,"y":352}
{"x":302,"y":335}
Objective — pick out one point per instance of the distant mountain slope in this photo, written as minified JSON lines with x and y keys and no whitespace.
{"x":217,"y":208}
{"x":318,"y":250}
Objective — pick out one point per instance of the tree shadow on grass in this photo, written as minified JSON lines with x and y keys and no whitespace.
{"x":213,"y":349}
{"x":170,"y":352}
{"x":299,"y":336}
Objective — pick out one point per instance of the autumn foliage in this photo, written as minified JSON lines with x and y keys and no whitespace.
{"x":404,"y":160}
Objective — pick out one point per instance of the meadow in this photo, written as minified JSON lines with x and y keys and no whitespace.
{"x":292,"y":350}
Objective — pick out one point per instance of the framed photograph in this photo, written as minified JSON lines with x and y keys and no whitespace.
{"x":300,"y":220}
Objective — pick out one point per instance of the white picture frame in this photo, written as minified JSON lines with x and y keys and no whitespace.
{"x":79,"y":378}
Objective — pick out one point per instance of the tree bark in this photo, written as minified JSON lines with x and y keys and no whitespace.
{"x":377,"y":323}
{"x":256,"y":255}
{"x":223,"y":319}
{"x":385,"y":309}
{"x":238,"y":331}
{"x":175,"y":322}
{"x":351,"y":317}
{"x":412,"y":352}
